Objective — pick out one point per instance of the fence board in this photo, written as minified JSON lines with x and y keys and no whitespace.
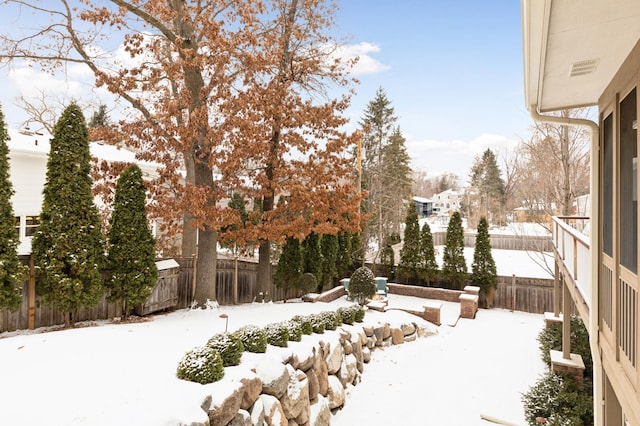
{"x":504,"y":242}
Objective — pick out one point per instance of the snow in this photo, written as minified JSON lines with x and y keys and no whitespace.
{"x":124,"y":373}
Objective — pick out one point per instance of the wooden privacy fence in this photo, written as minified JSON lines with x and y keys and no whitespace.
{"x":504,"y":242}
{"x":534,"y":295}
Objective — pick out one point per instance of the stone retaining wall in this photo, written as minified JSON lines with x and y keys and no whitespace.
{"x":303,"y":386}
{"x":425,"y":292}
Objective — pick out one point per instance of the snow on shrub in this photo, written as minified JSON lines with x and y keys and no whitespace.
{"x":305,"y":323}
{"x":330,"y":320}
{"x":348,"y":314}
{"x":229,"y":346}
{"x":362,"y":284}
{"x":202,"y":364}
{"x":317,"y":323}
{"x":253,"y":338}
{"x":295,"y":330}
{"x":277,"y":334}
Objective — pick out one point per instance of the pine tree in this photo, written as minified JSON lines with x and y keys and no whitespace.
{"x":454,"y":265}
{"x":330,"y":246}
{"x":68,"y":249}
{"x":132,"y":248}
{"x":410,"y":261}
{"x":312,"y":256}
{"x":486,"y":193}
{"x":483,"y":269}
{"x":100,"y":118}
{"x":427,"y":251}
{"x":12,"y":272}
{"x":343,"y":261}
{"x":290,"y":265}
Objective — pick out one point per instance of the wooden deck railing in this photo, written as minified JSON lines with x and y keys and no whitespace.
{"x":573,"y":256}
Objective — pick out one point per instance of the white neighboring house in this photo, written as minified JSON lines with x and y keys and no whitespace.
{"x":447,"y":201}
{"x":28,"y":153}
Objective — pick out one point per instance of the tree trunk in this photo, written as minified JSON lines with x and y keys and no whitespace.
{"x":206,"y":263}
{"x":264,"y":268}
{"x":189,"y":231}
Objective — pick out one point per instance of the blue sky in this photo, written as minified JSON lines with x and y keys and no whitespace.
{"x":452,"y":70}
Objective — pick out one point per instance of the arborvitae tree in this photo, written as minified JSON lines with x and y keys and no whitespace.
{"x":483,"y":269}
{"x":343,"y":261}
{"x":357,"y":250}
{"x":68,"y":249}
{"x":330,"y":246}
{"x":312,"y":255}
{"x":428,"y":254}
{"x":12,"y":272}
{"x":454,"y":265}
{"x":410,"y":259}
{"x":387,"y":256}
{"x":132,"y":248}
{"x":290,"y":265}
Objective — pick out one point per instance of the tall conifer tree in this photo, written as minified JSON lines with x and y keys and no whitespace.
{"x":454,"y":265}
{"x":12,"y":272}
{"x":68,"y":248}
{"x":483,"y":269}
{"x":290,"y":265}
{"x":427,"y":251}
{"x":410,"y":253}
{"x":132,"y":248}
{"x":330,"y":246}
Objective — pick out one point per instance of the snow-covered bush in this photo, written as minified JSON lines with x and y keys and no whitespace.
{"x":305,"y":323}
{"x":253,"y":338}
{"x":277,"y":334}
{"x":295,"y":330}
{"x":330,"y":319}
{"x":348,"y":314}
{"x":359,"y":310}
{"x":202,"y":364}
{"x":362,"y":284}
{"x":229,"y":346}
{"x":317,"y":323}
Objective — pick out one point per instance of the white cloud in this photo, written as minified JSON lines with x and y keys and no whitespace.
{"x":366,"y":63}
{"x":453,"y":156}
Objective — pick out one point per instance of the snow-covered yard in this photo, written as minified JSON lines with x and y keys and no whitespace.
{"x":124,"y":374}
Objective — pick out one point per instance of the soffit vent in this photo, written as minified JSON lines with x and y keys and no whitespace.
{"x":583,"y":67}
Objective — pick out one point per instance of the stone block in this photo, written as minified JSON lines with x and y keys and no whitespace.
{"x":574,"y":366}
{"x":432,"y":312}
{"x":468,"y":305}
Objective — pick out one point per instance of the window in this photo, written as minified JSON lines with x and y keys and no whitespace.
{"x":31,"y":224}
{"x":628,"y":183}
{"x":17,"y":224}
{"x":607,"y":185}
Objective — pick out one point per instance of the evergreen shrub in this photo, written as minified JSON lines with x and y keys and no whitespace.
{"x":277,"y":334}
{"x":305,"y":323}
{"x":253,"y":338}
{"x":362,"y":284}
{"x":330,"y":320}
{"x":229,"y":346}
{"x":359,"y":310}
{"x":202,"y":365}
{"x":556,"y":399}
{"x":295,"y":330}
{"x":348,"y":314}
{"x":551,"y":338}
{"x":317,"y":323}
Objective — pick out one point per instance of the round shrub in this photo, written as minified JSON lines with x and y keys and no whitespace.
{"x":305,"y":323}
{"x":362,"y":284}
{"x":317,"y":323}
{"x":253,"y":338}
{"x":229,"y":346}
{"x":307,"y":283}
{"x":202,"y":365}
{"x":295,"y":330}
{"x":277,"y":334}
{"x":347,"y":314}
{"x":330,"y":320}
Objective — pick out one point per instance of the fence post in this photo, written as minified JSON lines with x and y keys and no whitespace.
{"x":235,"y":280}
{"x":513,"y":292}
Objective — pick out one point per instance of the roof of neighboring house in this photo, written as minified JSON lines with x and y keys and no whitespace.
{"x":572,"y":49}
{"x":422,"y":200}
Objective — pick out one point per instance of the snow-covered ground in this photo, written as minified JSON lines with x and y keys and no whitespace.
{"x":124,"y":374}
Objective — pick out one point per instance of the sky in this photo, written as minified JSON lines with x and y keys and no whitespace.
{"x":124,"y":373}
{"x":451,"y":69}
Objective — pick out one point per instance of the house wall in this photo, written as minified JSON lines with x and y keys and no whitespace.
{"x":618,"y":283}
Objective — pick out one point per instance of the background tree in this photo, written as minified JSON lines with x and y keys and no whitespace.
{"x":386,"y":174}
{"x":290,"y":264}
{"x":344,"y":261}
{"x":556,"y":163}
{"x":410,"y":266}
{"x":312,"y":257}
{"x":483,"y":268}
{"x":428,"y":254}
{"x":12,"y":273}
{"x":485,"y":195}
{"x":454,"y":265}
{"x":237,"y":108}
{"x":329,"y":249}
{"x":67,"y":247}
{"x":132,"y":248}
{"x":100,"y":117}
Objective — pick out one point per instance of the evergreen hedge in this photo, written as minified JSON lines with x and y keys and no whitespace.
{"x":253,"y":338}
{"x":277,"y":334}
{"x":202,"y":365}
{"x":229,"y":346}
{"x":305,"y":323}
